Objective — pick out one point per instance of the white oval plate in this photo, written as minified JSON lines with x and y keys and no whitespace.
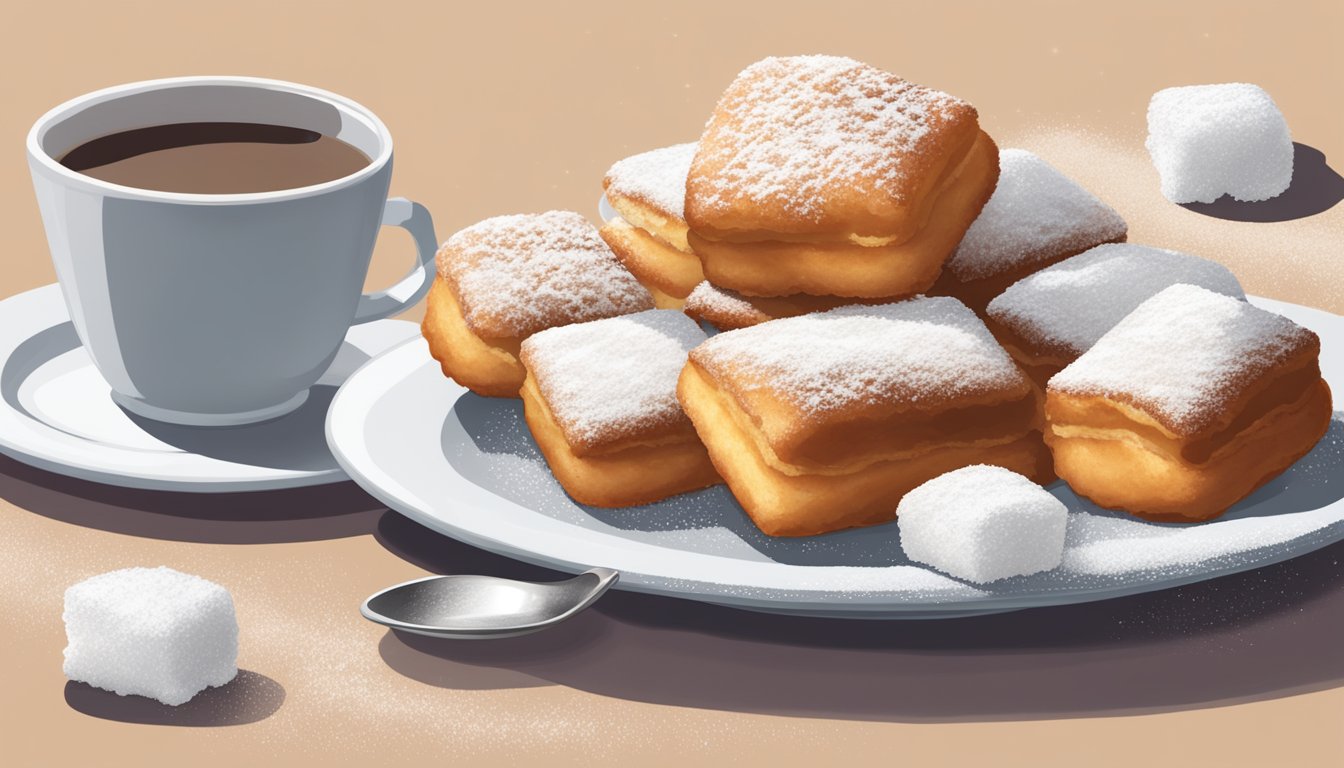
{"x":56,"y":414}
{"x":466,"y":466}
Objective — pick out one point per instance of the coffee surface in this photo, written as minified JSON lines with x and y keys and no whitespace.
{"x":216,"y":158}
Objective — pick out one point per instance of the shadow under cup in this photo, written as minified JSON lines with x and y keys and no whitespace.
{"x":213,"y":309}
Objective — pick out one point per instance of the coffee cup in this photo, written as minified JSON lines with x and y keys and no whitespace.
{"x":218,"y":308}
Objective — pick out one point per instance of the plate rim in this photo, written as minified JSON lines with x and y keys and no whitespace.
{"x":346,"y":419}
{"x":34,"y":443}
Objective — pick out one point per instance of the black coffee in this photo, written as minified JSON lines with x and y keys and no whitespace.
{"x":216,"y":158}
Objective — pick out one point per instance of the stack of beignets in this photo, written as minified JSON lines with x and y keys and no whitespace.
{"x":600,"y":399}
{"x":824,"y":421}
{"x":648,"y":190}
{"x":649,"y":238}
{"x":822,"y":195}
{"x":825,"y":176}
{"x":1186,"y":406}
{"x":504,"y":279}
{"x":1036,"y":217}
{"x":1046,"y":320}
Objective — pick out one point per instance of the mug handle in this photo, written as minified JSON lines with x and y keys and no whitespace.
{"x":414,"y":218}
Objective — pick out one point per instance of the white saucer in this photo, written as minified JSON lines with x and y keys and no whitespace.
{"x":56,"y":413}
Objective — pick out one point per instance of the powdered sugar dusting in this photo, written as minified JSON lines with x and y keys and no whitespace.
{"x":613,"y":378}
{"x":914,"y":353}
{"x":790,"y":130}
{"x":656,"y":178}
{"x":515,"y":275}
{"x":709,"y":302}
{"x":1035,"y":214}
{"x":1066,"y":307}
{"x":1183,"y":354}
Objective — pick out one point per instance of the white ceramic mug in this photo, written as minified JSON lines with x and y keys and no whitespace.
{"x":219,"y":309}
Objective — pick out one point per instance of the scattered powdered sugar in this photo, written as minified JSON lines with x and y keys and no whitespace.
{"x":1183,"y":354}
{"x":611,"y":378}
{"x":1035,"y":214}
{"x":154,"y":632}
{"x":1066,"y":307}
{"x":982,"y":524}
{"x":1117,"y":546}
{"x":788,"y":131}
{"x":518,"y":274}
{"x":923,"y":350}
{"x":1211,"y":140}
{"x":656,"y":178}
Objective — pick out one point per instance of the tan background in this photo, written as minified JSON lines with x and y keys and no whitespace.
{"x":521,"y":110}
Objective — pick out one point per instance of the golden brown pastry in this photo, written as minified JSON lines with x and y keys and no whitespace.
{"x":504,"y":279}
{"x":667,"y":273}
{"x":824,"y":421}
{"x":729,"y":310}
{"x":825,"y":176}
{"x":648,"y":190}
{"x":1047,"y":319}
{"x":1186,"y":406}
{"x":600,"y":399}
{"x":1036,"y":217}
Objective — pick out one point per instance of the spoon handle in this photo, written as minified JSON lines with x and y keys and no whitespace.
{"x":605,"y":576}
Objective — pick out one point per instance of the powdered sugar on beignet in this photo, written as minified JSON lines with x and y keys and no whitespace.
{"x":515,"y":275}
{"x":809,"y":142}
{"x":709,"y":302}
{"x":656,"y":178}
{"x":920,"y":354}
{"x":1183,"y":355}
{"x":1065,"y":308}
{"x":613,"y":379}
{"x":1035,"y":213}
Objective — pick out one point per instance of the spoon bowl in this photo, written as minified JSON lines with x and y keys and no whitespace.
{"x":481,"y":607}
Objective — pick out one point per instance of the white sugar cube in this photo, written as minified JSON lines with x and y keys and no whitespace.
{"x":982,"y":524}
{"x":154,"y":632}
{"x":1211,"y":140}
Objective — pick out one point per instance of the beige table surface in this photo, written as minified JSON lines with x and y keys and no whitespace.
{"x":522,"y":110}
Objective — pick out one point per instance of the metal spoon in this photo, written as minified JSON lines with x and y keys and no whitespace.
{"x":483,"y":607}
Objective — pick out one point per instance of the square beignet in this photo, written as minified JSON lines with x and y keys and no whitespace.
{"x":1049,"y":318}
{"x":823,"y":175}
{"x":824,"y":421}
{"x":504,"y":279}
{"x":729,"y":310}
{"x":601,"y":401}
{"x":648,"y":190}
{"x":1186,"y":406}
{"x":1036,"y":217}
{"x":668,"y":274}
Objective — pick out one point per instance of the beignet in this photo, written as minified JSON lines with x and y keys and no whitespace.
{"x":1186,"y":406}
{"x":729,"y":310}
{"x":1036,"y":217}
{"x":600,"y":399}
{"x":503,"y":279}
{"x":823,"y":421}
{"x":826,"y":176}
{"x":648,"y":190}
{"x":1047,"y":319}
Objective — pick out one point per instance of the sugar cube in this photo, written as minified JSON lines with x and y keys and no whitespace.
{"x":154,"y":632}
{"x":982,"y":524}
{"x":1211,"y":140}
